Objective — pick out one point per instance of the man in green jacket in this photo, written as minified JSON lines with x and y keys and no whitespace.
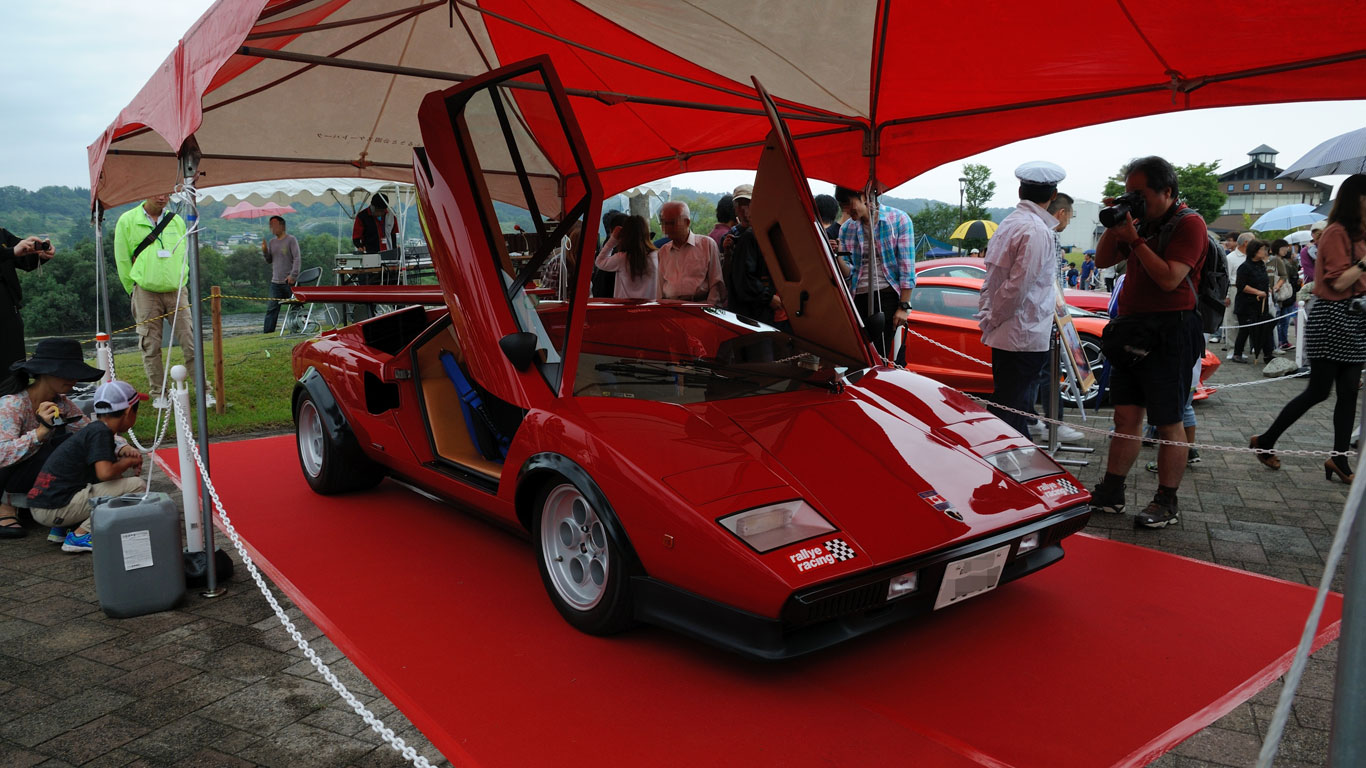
{"x":154,"y":270}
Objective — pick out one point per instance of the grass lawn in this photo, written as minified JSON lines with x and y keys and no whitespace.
{"x":256,"y":376}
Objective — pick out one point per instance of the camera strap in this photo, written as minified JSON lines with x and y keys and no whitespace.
{"x":151,"y":236}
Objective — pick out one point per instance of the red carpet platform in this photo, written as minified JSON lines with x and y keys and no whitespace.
{"x":1109,"y":658}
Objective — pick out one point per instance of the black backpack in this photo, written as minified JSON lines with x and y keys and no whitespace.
{"x":1212,"y":289}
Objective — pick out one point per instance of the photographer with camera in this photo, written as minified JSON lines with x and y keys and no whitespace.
{"x":27,"y":254}
{"x":1155,"y":338}
{"x":1335,"y":334}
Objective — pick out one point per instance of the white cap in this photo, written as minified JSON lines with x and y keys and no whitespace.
{"x":116,"y":395}
{"x":1040,"y":172}
{"x":974,"y":250}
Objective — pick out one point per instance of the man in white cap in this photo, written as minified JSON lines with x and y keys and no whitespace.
{"x":1020,"y":293}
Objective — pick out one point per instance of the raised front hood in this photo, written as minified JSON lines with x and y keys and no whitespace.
{"x":881,"y":475}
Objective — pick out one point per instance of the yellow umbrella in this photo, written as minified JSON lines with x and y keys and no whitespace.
{"x":977,"y":229}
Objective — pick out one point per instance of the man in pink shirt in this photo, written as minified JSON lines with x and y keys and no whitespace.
{"x":689,"y":264}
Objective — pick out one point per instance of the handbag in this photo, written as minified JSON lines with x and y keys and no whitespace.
{"x":1129,"y":339}
{"x":1283,"y":293}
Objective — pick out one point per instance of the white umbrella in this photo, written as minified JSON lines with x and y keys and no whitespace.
{"x":1338,"y":155}
{"x":1287,"y":217}
{"x":1298,"y":237}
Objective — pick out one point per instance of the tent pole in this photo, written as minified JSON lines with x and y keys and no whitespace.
{"x":101,"y":273}
{"x":189,"y":157}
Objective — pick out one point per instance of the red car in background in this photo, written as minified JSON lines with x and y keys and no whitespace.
{"x":770,"y":491}
{"x":943,"y":309}
{"x":1096,"y":302}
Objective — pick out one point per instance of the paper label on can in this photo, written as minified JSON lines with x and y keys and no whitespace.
{"x":137,"y":550}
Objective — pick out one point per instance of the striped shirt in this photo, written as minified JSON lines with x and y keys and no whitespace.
{"x":896,"y":245}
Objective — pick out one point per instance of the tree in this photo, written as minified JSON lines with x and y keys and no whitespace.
{"x":1114,"y":186}
{"x":977,"y":192}
{"x":936,"y":220}
{"x":1200,"y":188}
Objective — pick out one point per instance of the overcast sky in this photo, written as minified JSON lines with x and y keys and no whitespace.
{"x":83,"y":66}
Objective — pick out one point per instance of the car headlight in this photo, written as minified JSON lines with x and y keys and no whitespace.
{"x":776,"y":525}
{"x":1024,"y":463}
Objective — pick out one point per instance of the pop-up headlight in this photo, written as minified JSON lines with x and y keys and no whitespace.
{"x":1024,"y":463}
{"x":776,"y":525}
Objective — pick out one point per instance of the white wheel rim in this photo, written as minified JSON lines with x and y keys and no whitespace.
{"x":311,"y":439}
{"x":574,"y":543}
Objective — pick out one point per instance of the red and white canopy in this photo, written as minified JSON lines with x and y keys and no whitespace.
{"x":276,"y":89}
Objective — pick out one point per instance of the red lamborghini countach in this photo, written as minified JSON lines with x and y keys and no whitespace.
{"x":772,"y":492}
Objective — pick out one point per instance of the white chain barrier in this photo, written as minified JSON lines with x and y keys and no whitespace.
{"x":1159,"y":441}
{"x":1276,"y":319}
{"x":409,"y":753}
{"x":1120,"y":435}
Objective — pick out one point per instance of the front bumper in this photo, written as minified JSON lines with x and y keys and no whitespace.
{"x":830,"y":613}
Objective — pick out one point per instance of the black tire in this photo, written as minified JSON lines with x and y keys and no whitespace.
{"x":328,"y":464}
{"x":590,"y":586}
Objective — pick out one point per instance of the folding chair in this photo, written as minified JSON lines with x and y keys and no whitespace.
{"x":310,"y":276}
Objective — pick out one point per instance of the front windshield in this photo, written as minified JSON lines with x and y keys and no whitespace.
{"x":688,"y":353}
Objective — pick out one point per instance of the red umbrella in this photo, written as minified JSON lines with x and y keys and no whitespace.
{"x":245,"y":210}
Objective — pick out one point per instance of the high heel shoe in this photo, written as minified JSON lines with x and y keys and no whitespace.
{"x":1331,"y":468}
{"x":1267,"y":458}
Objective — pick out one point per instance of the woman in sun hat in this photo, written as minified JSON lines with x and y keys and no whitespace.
{"x":38,"y":417}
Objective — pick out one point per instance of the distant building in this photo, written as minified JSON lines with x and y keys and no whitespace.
{"x":1084,"y":229}
{"x":1253,"y":189}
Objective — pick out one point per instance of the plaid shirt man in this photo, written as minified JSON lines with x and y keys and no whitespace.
{"x":896,"y":244}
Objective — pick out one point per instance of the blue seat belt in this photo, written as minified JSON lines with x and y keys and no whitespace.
{"x":472,"y":405}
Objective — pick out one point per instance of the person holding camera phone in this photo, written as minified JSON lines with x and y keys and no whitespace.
{"x":1155,"y":338}
{"x":1335,"y":334}
{"x":27,"y":253}
{"x":36,"y":419}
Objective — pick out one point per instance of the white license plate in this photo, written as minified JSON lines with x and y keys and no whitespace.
{"x":971,"y":576}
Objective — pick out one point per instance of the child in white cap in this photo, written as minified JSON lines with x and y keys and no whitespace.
{"x":87,"y":465}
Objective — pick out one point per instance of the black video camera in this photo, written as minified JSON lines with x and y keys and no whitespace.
{"x":1130,"y":202}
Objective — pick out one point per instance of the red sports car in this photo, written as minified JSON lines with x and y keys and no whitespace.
{"x":943,"y":311}
{"x":771,"y":491}
{"x":1097,"y":302}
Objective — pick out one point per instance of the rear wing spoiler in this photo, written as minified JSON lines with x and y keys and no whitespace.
{"x":370,"y":294}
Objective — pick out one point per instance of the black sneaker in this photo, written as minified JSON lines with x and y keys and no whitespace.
{"x":1108,"y":500}
{"x":1159,"y":513}
{"x":1192,"y":457}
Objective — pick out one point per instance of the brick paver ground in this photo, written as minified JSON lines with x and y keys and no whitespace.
{"x":219,"y":683}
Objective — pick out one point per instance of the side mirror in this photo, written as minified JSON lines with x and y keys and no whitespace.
{"x":520,"y":349}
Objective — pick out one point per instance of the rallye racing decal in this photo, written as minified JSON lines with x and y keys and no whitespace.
{"x":1056,"y":488}
{"x":827,"y":553}
{"x":940,"y":503}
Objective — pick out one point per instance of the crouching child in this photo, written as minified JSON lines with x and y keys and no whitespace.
{"x":87,"y":466}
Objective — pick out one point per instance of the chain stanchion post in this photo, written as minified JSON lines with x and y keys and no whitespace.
{"x":1054,"y":409}
{"x":104,"y":357}
{"x":189,"y":474}
{"x":216,"y":297}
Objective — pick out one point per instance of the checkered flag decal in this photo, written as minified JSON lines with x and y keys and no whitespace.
{"x":840,"y":550}
{"x":1067,"y":486}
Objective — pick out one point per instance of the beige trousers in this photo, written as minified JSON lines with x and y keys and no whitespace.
{"x":147,"y":304}
{"x":76,"y":514}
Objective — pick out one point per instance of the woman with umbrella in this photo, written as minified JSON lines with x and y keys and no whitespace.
{"x":1335,"y":335}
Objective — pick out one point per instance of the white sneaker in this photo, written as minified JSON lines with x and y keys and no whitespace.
{"x":1038,"y":430}
{"x":210,"y":401}
{"x":1068,"y":434}
{"x":161,"y":403}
